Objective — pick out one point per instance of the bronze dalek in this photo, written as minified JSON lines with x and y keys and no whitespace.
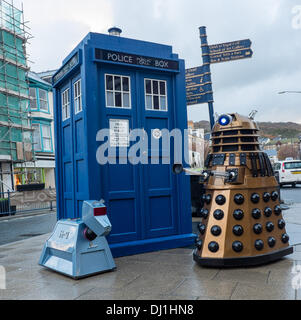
{"x":241,"y":222}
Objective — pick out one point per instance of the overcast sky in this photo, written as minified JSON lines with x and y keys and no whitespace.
{"x":241,"y":86}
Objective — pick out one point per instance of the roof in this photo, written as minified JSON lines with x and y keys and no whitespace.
{"x":34,"y":76}
{"x":45,"y":74}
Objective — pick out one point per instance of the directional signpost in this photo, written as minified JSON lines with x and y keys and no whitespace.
{"x":230,"y":51}
{"x":198,"y":80}
{"x":196,"y":86}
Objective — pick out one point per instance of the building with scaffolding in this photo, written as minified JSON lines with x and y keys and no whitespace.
{"x":16,"y":143}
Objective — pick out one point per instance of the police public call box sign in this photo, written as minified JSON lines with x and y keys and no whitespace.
{"x":136,"y":60}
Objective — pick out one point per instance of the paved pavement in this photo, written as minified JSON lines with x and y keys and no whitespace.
{"x":165,"y":275}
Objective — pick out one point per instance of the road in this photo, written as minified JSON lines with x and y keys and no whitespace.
{"x":24,"y":228}
{"x":289,"y":193}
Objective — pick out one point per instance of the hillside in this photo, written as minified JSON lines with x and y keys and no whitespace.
{"x":286,"y":130}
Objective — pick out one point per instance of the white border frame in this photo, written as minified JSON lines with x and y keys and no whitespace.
{"x":67,"y":105}
{"x":79,"y":96}
{"x":152,"y":95}
{"x":122,"y":92}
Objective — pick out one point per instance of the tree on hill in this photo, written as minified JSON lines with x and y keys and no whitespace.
{"x":288,"y":151}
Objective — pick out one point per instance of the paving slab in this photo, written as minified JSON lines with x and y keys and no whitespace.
{"x":213,"y":289}
{"x":264,"y":292}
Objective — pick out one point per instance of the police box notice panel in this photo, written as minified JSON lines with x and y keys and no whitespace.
{"x":131,"y":59}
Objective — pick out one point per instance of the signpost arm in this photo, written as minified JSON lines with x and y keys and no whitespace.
{"x":207,"y":69}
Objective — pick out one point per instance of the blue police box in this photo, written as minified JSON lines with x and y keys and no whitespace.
{"x":111,"y":82}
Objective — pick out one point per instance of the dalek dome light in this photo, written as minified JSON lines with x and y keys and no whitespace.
{"x":225,"y":120}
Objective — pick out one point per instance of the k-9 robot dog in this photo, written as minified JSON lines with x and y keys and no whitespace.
{"x":78,"y":248}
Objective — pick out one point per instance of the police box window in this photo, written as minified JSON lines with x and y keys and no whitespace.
{"x":156,"y":95}
{"x":77,"y":90}
{"x":118,"y":91}
{"x":66,"y":105}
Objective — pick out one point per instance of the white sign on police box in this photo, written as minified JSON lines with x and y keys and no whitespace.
{"x":119,"y":133}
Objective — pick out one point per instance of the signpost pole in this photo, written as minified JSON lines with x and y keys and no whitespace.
{"x":207,"y":69}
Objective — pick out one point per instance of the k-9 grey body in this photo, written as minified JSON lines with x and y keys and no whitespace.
{"x":78,"y":248}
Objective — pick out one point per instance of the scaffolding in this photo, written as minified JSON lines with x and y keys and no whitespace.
{"x":16,"y":143}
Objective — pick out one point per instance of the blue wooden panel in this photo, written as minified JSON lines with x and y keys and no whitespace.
{"x":121,"y":178}
{"x":68,"y":183}
{"x":79,"y":136}
{"x":67,"y":138}
{"x":162,"y":171}
{"x":123,"y":216}
{"x":81,"y":176}
{"x":69,"y":205}
{"x":161,"y":218}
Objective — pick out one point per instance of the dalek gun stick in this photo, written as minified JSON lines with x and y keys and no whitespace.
{"x":230,"y":175}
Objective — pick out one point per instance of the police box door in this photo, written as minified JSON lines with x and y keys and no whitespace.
{"x":140,"y":198}
{"x":156,"y":113}
{"x":120,"y":181}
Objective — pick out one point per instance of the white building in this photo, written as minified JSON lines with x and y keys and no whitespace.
{"x":196,"y":146}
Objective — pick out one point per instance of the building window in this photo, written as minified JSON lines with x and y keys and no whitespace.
{"x":66,"y":105}
{"x":33,"y":103}
{"x":37,"y":137}
{"x":78,"y":96}
{"x":42,"y":137}
{"x":46,"y":136}
{"x":118,"y":91}
{"x":156,"y":95}
{"x":43,"y":100}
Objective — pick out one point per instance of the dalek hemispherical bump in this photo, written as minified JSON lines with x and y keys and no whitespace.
{"x":242,"y":222}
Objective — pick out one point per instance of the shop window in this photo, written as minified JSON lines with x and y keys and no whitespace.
{"x":156,"y":95}
{"x":78,"y":97}
{"x":118,"y":91}
{"x":66,"y":105}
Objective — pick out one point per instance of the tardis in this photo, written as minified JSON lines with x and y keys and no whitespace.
{"x":120,"y":84}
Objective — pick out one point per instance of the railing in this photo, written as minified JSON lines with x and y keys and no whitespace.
{"x":16,"y":203}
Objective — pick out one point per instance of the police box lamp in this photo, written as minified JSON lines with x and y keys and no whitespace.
{"x":78,"y":248}
{"x":115,"y":31}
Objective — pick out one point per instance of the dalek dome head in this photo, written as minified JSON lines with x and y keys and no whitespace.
{"x":235,"y":133}
{"x":234,"y":121}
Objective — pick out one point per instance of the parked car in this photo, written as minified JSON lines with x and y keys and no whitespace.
{"x":288,"y":172}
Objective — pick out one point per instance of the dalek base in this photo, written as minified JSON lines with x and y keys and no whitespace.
{"x":243,"y":261}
